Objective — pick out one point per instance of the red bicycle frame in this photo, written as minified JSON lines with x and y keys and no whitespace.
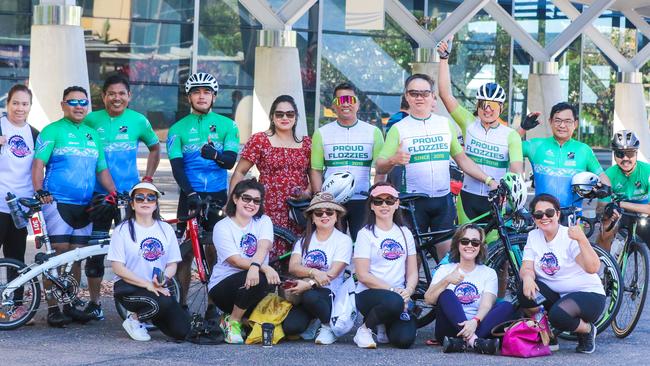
{"x":192,"y":231}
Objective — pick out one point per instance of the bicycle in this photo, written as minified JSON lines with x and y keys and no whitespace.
{"x":20,"y":284}
{"x":633,"y":260}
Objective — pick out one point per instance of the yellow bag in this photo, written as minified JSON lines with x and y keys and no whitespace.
{"x":272,"y":309}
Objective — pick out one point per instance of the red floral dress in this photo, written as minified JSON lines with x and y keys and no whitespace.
{"x":281,"y":169}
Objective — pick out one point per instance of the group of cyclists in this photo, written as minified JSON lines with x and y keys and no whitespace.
{"x":79,"y":165}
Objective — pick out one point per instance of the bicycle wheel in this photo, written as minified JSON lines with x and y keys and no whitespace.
{"x":423,"y":312}
{"x":497,"y":259}
{"x":281,"y":263}
{"x":635,"y":288}
{"x":612,"y":281}
{"x":27,"y":296}
{"x":174,"y":289}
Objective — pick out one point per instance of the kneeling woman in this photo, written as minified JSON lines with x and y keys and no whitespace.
{"x":143,"y":246}
{"x":319,"y":258}
{"x":465,"y":294}
{"x":386,"y":267}
{"x":560,"y":263}
{"x":242,"y":240}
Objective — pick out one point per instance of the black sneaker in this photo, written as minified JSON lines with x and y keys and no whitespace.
{"x":77,"y":315}
{"x":486,"y":346}
{"x":587,"y":341}
{"x":211,"y":313}
{"x":453,"y":345}
{"x":57,"y":319}
{"x":95,"y":310}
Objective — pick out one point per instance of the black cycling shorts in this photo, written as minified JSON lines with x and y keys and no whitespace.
{"x":435,"y":213}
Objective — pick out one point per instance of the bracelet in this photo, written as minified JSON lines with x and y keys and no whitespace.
{"x":488,"y":180}
{"x":313,"y":283}
{"x":255,"y":264}
{"x":478,"y":321}
{"x":147,"y":179}
{"x":311,"y":273}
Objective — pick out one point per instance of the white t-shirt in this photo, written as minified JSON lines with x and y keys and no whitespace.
{"x":154,"y":246}
{"x":387,"y":253}
{"x":469,"y":291}
{"x":321,"y":255}
{"x":16,"y":157}
{"x":230,"y":239}
{"x":555,"y":263}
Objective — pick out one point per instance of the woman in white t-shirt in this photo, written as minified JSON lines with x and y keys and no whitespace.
{"x":144,"y":253}
{"x":386,"y":266}
{"x":465,"y":293}
{"x":560,"y":264}
{"x":319,"y":259}
{"x":16,"y":155}
{"x":243,"y":240}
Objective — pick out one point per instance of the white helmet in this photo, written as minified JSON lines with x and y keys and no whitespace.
{"x":340,"y":185}
{"x":584,"y":182}
{"x":201,"y":79}
{"x":491,"y":91}
{"x":517,"y":188}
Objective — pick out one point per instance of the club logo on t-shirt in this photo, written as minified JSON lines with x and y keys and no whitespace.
{"x":549,"y":264}
{"x":17,"y":146}
{"x":391,"y":249}
{"x":151,"y":249}
{"x":466,"y":293}
{"x":316,"y":259}
{"x":248,"y":244}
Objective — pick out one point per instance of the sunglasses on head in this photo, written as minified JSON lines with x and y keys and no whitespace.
{"x":281,"y":114}
{"x":77,"y":102}
{"x":320,"y":213}
{"x":380,"y":201}
{"x":484,"y":104}
{"x":141,"y":197}
{"x":344,"y":99}
{"x":539,"y":214}
{"x":248,"y":199}
{"x":620,"y":154}
{"x":418,"y":93}
{"x":467,"y":241}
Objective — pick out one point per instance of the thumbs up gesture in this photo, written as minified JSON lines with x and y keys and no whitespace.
{"x":401,"y":157}
{"x":455,"y":277}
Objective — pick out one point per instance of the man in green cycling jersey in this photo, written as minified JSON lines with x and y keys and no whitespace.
{"x":73,"y":157}
{"x":630,"y":183}
{"x":558,"y":158}
{"x":120,"y":130}
{"x":495,"y":148}
{"x":201,"y":147}
{"x":423,"y":143}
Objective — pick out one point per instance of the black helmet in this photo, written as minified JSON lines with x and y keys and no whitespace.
{"x":625,"y":140}
{"x":99,"y":210}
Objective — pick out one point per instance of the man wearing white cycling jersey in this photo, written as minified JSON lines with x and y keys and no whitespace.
{"x":347,"y":144}
{"x":423,"y":143}
{"x":495,"y":148}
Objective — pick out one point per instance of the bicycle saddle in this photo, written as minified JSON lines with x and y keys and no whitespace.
{"x":31,"y":203}
{"x":405,"y":197}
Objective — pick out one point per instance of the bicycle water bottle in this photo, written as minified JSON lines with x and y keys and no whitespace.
{"x":17,"y":214}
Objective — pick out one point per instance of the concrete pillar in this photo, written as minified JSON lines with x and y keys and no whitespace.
{"x":543,"y":92}
{"x":57,"y":58}
{"x":427,"y":61}
{"x":629,"y":110}
{"x":277,"y":72}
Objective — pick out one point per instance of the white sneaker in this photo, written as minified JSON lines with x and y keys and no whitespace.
{"x":325,"y":335}
{"x":382,"y":337}
{"x":363,"y":338}
{"x":135,"y":329}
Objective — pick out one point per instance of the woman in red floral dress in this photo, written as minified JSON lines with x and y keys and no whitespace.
{"x":283,"y":162}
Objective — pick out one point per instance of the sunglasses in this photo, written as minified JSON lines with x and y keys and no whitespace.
{"x":380,"y":201}
{"x":418,"y":93}
{"x":320,"y":213}
{"x":344,"y":99}
{"x":467,"y":241}
{"x":539,"y":214}
{"x":281,"y":114}
{"x":620,"y":154}
{"x":484,"y":104}
{"x":77,"y":102}
{"x":141,"y":197}
{"x":248,"y":199}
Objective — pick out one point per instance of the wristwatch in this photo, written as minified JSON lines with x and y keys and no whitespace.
{"x":313,"y":283}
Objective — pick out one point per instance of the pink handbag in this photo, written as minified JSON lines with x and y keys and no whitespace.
{"x":525,"y":338}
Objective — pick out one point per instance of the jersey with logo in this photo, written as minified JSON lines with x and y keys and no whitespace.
{"x":633,"y":188}
{"x":72,"y":154}
{"x":187,"y":136}
{"x":491,"y":150}
{"x":337,"y":148}
{"x":430,"y":141}
{"x":16,"y":156}
{"x":555,"y":165}
{"x":120,"y":137}
{"x":469,"y":291}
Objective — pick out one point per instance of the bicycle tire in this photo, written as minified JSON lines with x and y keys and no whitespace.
{"x":174,"y":289}
{"x":637,"y":256}
{"x":497,"y":258}
{"x":287,"y":236}
{"x":423,"y":312}
{"x":31,"y":290}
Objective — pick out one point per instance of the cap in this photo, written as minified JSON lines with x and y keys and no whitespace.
{"x":146,"y":185}
{"x":383,"y":189}
{"x":324,"y":200}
